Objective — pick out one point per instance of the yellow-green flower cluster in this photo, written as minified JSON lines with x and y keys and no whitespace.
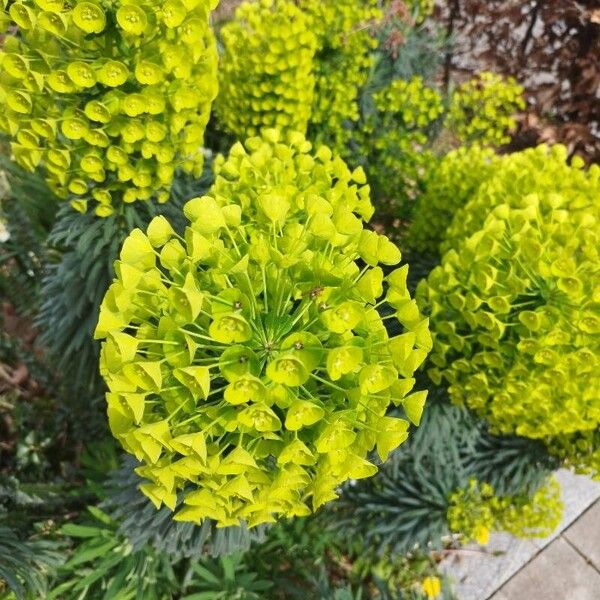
{"x":109,"y":99}
{"x":543,"y":170}
{"x":409,"y":106}
{"x":395,"y":141}
{"x":482,"y":110}
{"x":267,"y":70}
{"x":515,"y":304}
{"x":476,"y":511}
{"x":447,"y":187}
{"x":248,"y":366}
{"x":342,"y":65}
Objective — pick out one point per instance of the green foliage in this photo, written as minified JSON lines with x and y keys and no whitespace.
{"x":251,"y":361}
{"x":405,"y":127}
{"x":482,"y":109}
{"x":476,"y":510}
{"x":226,"y":579}
{"x":296,"y":559}
{"x":78,"y":271}
{"x":26,"y":214}
{"x":20,"y":266}
{"x":514,"y":305}
{"x":26,"y":565}
{"x":107,"y":100}
{"x":448,"y":185}
{"x":104,"y":565}
{"x":267,"y":76}
{"x":30,"y":192}
{"x":305,"y":559}
{"x":403,"y":52}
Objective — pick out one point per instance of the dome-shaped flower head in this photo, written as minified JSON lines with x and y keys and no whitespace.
{"x":62,"y":87}
{"x":515,"y":305}
{"x":248,"y":363}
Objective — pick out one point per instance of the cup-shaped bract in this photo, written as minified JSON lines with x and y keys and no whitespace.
{"x":266,"y":76}
{"x":108,"y":99}
{"x":249,"y":365}
{"x":516,"y":311}
{"x":483,"y":109}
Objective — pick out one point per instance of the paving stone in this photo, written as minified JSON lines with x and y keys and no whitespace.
{"x":478,"y":572}
{"x":557,"y":573}
{"x":584,"y":534}
{"x":578,"y":494}
{"x":499,"y":596}
{"x":477,"y":575}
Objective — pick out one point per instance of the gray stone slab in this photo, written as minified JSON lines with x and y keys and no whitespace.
{"x":557,"y":573}
{"x":578,"y":494}
{"x":584,"y":534}
{"x":499,"y":596}
{"x":478,"y":572}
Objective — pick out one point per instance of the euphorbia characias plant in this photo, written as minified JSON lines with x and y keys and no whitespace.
{"x":107,"y":98}
{"x":515,"y":302}
{"x":248,"y":363}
